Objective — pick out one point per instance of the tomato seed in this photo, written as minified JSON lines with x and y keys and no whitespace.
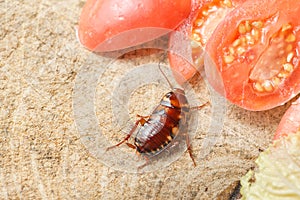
{"x":196,"y":37}
{"x":242,"y":29}
{"x":241,"y":50}
{"x":250,"y":40}
{"x":231,"y":50}
{"x":286,"y":27}
{"x":258,"y":87}
{"x":227,"y":3}
{"x":275,"y":81}
{"x":255,"y":34}
{"x":290,"y":38}
{"x":236,"y":43}
{"x":283,"y":75}
{"x":205,"y":13}
{"x":228,"y":59}
{"x":199,"y":22}
{"x":243,"y":41}
{"x":257,"y":24}
{"x":267,"y":85}
{"x":290,"y":57}
{"x":197,"y":31}
{"x":288,"y":67}
{"x":248,"y":26}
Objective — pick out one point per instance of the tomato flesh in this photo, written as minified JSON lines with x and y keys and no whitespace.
{"x":205,"y":17}
{"x":255,"y":52}
{"x":101,"y":20}
{"x":290,"y":122}
{"x":208,"y":17}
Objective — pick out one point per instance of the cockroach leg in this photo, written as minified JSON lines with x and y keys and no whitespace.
{"x":145,"y":164}
{"x":187,"y":138}
{"x":141,"y":120}
{"x":130,"y":145}
{"x":189,"y":148}
{"x":198,"y":107}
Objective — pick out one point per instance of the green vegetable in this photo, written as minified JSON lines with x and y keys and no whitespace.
{"x":278,"y":173}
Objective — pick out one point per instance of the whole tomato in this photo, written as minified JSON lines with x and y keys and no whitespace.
{"x":138,"y":20}
{"x":290,"y":122}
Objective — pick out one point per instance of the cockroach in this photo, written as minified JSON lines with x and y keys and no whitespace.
{"x":163,"y":125}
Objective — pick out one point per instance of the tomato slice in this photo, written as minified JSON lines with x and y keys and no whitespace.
{"x":290,"y":122}
{"x":101,"y":20}
{"x":254,"y":54}
{"x":204,"y":18}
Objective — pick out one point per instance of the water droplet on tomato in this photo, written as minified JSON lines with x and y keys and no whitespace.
{"x":121,"y":17}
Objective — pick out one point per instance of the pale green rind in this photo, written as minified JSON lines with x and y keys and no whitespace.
{"x":278,"y":174}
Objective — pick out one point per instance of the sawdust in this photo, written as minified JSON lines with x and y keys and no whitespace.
{"x":42,"y":152}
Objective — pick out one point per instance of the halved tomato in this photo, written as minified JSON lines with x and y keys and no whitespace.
{"x":254,"y":54}
{"x":101,"y":20}
{"x":204,"y":18}
{"x":290,"y":122}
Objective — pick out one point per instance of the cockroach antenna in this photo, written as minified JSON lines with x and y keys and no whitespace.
{"x":165,"y":76}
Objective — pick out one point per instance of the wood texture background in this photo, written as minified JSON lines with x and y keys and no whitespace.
{"x":42,"y":154}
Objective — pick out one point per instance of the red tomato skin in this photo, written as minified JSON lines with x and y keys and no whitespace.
{"x":100,"y":20}
{"x":184,"y":70}
{"x":290,"y":122}
{"x":234,"y":83}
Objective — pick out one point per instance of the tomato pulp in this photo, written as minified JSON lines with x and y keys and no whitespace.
{"x":290,"y":122}
{"x":254,"y":54}
{"x":204,"y":18}
{"x":101,"y":20}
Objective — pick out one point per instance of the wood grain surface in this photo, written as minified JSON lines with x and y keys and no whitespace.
{"x":44,"y":155}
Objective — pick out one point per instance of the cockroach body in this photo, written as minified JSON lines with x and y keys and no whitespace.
{"x":163,"y":124}
{"x":159,"y":129}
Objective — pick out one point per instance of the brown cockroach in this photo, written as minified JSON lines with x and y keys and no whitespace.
{"x":163,"y":125}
